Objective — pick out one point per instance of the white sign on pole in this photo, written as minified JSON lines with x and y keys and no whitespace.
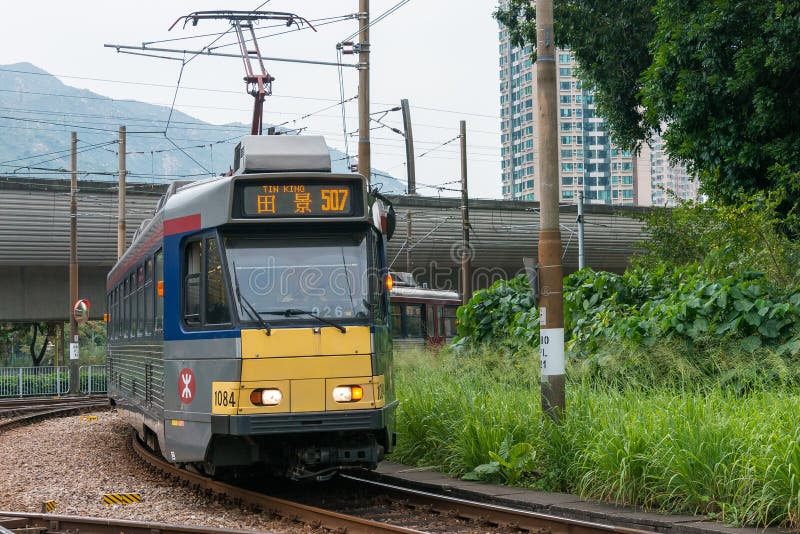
{"x":551,"y":350}
{"x":73,"y":351}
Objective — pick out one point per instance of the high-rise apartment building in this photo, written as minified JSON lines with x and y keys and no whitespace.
{"x":589,"y":162}
{"x":660,"y":183}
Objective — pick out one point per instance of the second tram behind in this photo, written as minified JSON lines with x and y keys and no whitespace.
{"x":249,"y":323}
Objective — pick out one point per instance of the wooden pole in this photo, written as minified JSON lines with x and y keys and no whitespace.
{"x":551,"y":314}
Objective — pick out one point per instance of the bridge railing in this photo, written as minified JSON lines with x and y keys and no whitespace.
{"x":50,"y":380}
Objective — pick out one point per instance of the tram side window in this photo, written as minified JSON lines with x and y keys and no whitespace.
{"x":377,"y":285}
{"x":148,"y":297}
{"x":140,"y":302}
{"x":132,"y":303}
{"x":217,"y":311}
{"x":449,"y":321}
{"x":191,"y":284}
{"x":429,"y":315}
{"x":159,"y":278}
{"x":414,"y":320}
{"x":125,"y":311}
{"x":397,"y":320}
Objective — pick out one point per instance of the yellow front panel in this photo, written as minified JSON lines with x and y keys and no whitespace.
{"x":305,"y":342}
{"x":308,"y":396}
{"x":305,"y":368}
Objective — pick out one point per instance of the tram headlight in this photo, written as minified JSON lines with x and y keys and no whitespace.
{"x":348,"y":393}
{"x":266,"y":397}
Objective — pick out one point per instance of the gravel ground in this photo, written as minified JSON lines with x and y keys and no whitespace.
{"x":74,"y":462}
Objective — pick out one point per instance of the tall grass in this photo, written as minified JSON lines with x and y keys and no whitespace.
{"x":700,"y":447}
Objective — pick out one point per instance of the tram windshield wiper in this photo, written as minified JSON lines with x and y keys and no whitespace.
{"x":292,"y":312}
{"x":249,"y":308}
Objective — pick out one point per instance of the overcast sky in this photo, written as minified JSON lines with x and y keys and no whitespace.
{"x":439,"y":54}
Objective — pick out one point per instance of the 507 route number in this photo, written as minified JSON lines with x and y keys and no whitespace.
{"x":224,"y":398}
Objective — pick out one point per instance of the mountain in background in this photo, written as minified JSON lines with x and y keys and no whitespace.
{"x":38,"y":112}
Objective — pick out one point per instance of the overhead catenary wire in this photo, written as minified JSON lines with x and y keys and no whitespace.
{"x":377,"y":19}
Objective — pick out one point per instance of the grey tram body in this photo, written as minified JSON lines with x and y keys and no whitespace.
{"x":144,"y":370}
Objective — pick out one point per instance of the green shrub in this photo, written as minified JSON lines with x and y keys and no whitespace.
{"x":491,"y":314}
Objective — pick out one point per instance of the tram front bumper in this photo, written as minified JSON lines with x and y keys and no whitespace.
{"x":299,"y":423}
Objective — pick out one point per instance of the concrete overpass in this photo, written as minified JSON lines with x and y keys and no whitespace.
{"x":34,"y":240}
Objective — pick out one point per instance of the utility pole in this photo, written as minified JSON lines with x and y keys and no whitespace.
{"x":364,"y":158}
{"x":73,"y":267}
{"x":580,"y":230}
{"x":551,"y":311}
{"x":121,"y":195}
{"x":466,"y":261}
{"x":410,"y":165}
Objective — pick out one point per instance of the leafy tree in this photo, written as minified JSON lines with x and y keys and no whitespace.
{"x":722,"y":74}
{"x":48,"y":330}
{"x":610,"y":41}
{"x":724,"y":77}
{"x":723,"y":239}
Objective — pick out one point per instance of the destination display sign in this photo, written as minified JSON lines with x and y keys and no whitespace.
{"x":290,"y":199}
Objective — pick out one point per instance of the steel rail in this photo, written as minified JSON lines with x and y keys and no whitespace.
{"x":47,"y":410}
{"x":309,"y":515}
{"x":41,"y":401}
{"x":93,"y":525}
{"x":496,"y":514}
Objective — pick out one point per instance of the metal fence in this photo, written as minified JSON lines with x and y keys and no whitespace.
{"x":50,"y":380}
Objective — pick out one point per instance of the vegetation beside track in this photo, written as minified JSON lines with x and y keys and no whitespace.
{"x":704,"y":449}
{"x":683,"y":377}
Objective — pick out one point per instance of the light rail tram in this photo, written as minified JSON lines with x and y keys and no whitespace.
{"x":249,"y":319}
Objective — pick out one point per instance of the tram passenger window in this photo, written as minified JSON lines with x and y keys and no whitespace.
{"x":440,"y":320}
{"x":414,"y":320}
{"x":148,"y":297}
{"x":159,"y":277}
{"x":140,"y":302}
{"x":123,"y":333}
{"x":216,"y":302}
{"x":191,"y":284}
{"x":430,"y":317}
{"x":377,"y":283}
{"x":450,"y":321}
{"x":132,"y":305}
{"x":397,"y":320}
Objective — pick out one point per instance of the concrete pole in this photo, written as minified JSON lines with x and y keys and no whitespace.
{"x":581,"y":263}
{"x":410,"y":165}
{"x":466,"y":260}
{"x":121,"y":195}
{"x":551,"y":314}
{"x":364,"y":158}
{"x":73,"y":265}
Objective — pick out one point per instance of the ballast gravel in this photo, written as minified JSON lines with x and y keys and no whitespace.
{"x":74,"y":461}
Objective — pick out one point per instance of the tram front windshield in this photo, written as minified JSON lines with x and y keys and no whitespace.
{"x":283,"y":278}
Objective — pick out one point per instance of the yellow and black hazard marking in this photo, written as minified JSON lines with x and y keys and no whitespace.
{"x":48,"y":506}
{"x":88,"y":418}
{"x":121,"y":498}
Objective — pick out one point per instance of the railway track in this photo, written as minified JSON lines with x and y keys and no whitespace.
{"x":310,"y":515}
{"x":352,"y":503}
{"x":20,"y":411}
{"x":25,"y":523}
{"x":401,"y":509}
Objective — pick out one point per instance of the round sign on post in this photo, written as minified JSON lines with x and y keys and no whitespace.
{"x":81,"y":311}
